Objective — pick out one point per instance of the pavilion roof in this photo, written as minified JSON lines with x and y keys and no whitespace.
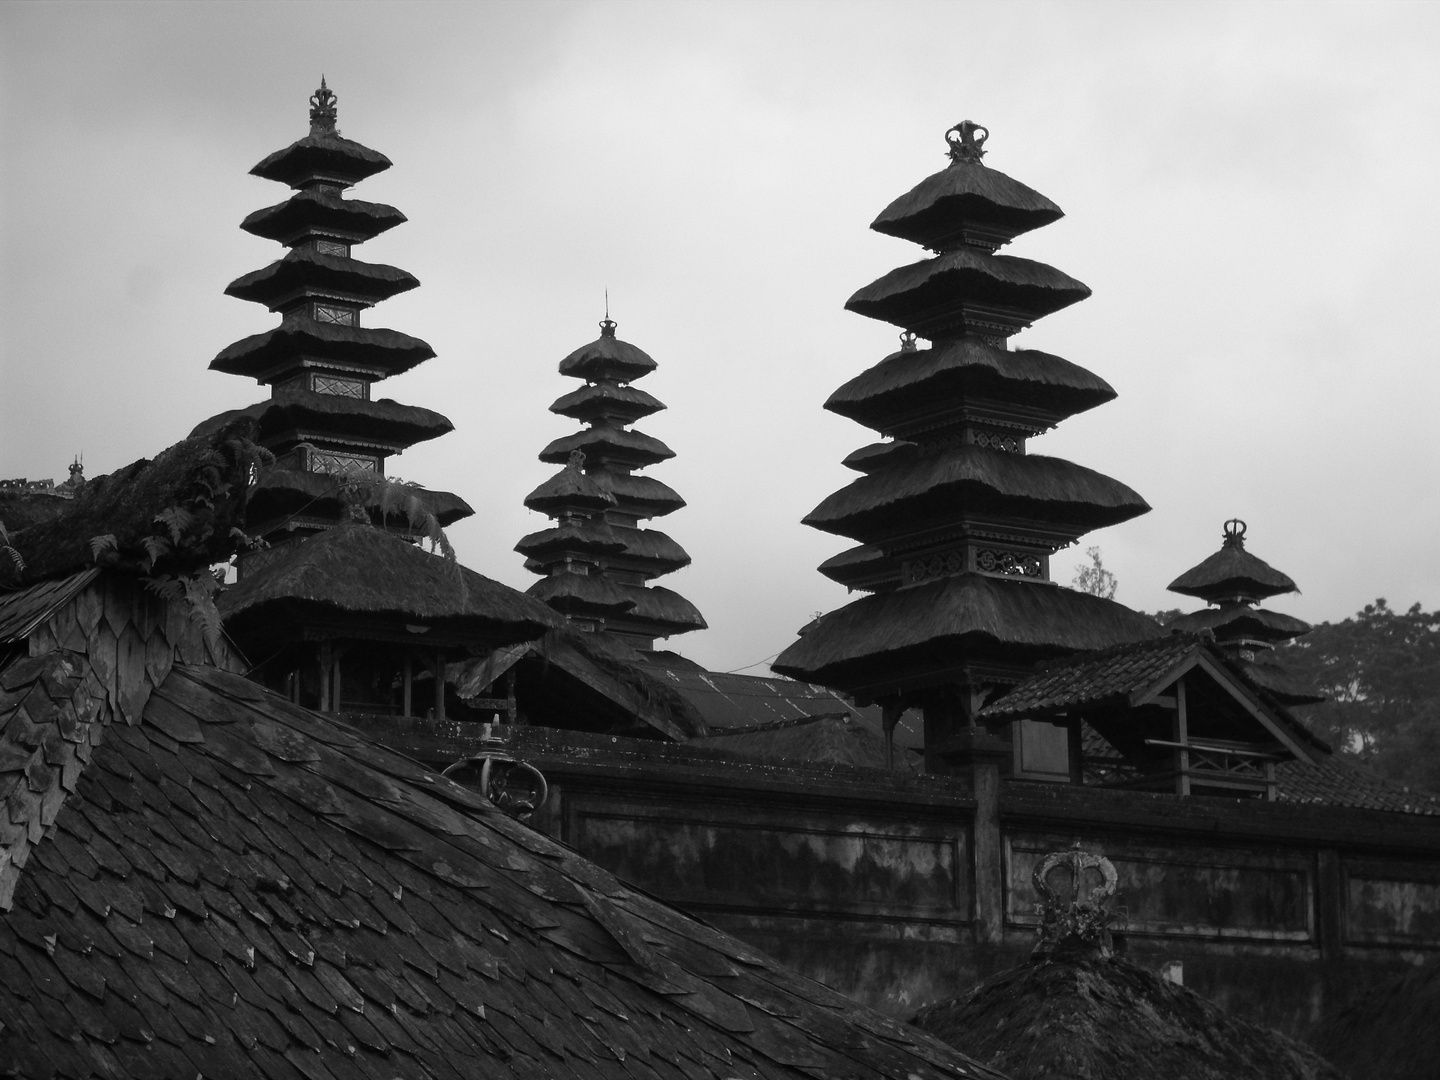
{"x":303,"y":270}
{"x":277,"y":351}
{"x":362,"y":570}
{"x":321,"y":156}
{"x":936,"y":211}
{"x":379,"y":420}
{"x":607,"y":357}
{"x":281,"y":493}
{"x":582,"y":594}
{"x":570,"y":488}
{"x":1232,"y":571}
{"x":598,"y":444}
{"x":636,"y":494}
{"x":319,"y":210}
{"x":916,"y":383}
{"x":1241,"y":620}
{"x":975,"y":480}
{"x":595,"y":401}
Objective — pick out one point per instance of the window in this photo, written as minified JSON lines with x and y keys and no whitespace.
{"x":327,"y":461}
{"x":336,"y":386}
{"x":332,"y":247}
{"x":336,"y":316}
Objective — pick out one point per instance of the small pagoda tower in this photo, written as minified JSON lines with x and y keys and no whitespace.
{"x":1233,"y":582}
{"x":327,"y":431}
{"x":597,"y":562}
{"x":956,"y":520}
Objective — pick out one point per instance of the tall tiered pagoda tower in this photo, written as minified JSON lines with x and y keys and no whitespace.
{"x":597,"y":561}
{"x":1234,"y":582}
{"x":322,"y":422}
{"x":956,"y":520}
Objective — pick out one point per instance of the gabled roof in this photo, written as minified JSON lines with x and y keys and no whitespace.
{"x":235,"y":886}
{"x":1134,"y":675}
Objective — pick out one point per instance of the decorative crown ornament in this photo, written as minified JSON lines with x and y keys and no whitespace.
{"x":322,"y":110}
{"x":1235,"y":534}
{"x":964,"y":146}
{"x":1077,"y":916}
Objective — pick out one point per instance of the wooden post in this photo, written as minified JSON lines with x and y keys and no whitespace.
{"x":1182,"y":736}
{"x":439,"y":684}
{"x":409,"y":672}
{"x":512,"y":711}
{"x":890,"y":716}
{"x":335,"y":666}
{"x":325,"y":664}
{"x":1074,"y":730}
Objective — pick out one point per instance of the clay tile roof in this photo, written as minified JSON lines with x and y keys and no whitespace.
{"x":1086,"y":679}
{"x":234,"y":886}
{"x":1338,"y":782}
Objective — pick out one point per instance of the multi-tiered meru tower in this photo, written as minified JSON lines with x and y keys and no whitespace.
{"x":327,"y":432}
{"x":1233,"y":582}
{"x":956,"y":521}
{"x":596,"y":560}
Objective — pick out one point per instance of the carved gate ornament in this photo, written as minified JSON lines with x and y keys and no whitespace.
{"x":496,"y":768}
{"x":1083,"y":917}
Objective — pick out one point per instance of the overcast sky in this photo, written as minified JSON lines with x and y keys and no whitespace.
{"x":1250,"y":191}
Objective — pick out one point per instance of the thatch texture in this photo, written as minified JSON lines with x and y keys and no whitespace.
{"x":1073,"y":1015}
{"x":670,"y":612}
{"x":952,"y":485}
{"x":197,"y":486}
{"x":327,"y":155}
{"x":921,"y":383}
{"x":582,"y":594}
{"x":22,"y":507}
{"x":607,"y":358}
{"x":262,"y":356}
{"x":859,"y":567}
{"x":928,"y":297}
{"x":874,"y":457}
{"x":643,"y":496}
{"x":361,"y":570}
{"x":935,"y":212}
{"x":290,"y":493}
{"x":379,"y":422}
{"x":1250,"y":622}
{"x":304,"y":268}
{"x":569,"y":489}
{"x":316,"y":209}
{"x":1030,"y":620}
{"x":607,"y":401}
{"x":634,"y":448}
{"x":654,"y":547}
{"x":595,"y":537}
{"x":1391,"y":1032}
{"x":1232,"y":571}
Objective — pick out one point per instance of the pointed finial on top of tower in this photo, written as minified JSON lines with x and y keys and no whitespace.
{"x":322,"y":110}
{"x":607,"y":326}
{"x":965,"y":148}
{"x":1235,"y":534}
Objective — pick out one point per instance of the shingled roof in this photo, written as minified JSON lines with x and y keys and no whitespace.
{"x":231,"y":885}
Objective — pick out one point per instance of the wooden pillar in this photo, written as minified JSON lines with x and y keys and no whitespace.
{"x":1330,"y":903}
{"x":1075,"y":733}
{"x":1181,"y":734}
{"x":335,"y":667}
{"x":439,"y":684}
{"x":512,"y":711}
{"x":406,"y":678}
{"x":890,"y":716}
{"x":326,"y":662}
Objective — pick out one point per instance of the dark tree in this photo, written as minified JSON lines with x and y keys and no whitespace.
{"x":1381,"y":669}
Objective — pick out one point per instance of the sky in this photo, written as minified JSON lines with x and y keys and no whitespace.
{"x":1249,"y":191}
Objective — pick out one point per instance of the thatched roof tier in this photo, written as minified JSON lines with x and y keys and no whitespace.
{"x":322,"y":158}
{"x":920,"y":387}
{"x":317,"y":211}
{"x":633,"y":449}
{"x":940,"y":297}
{"x":653,"y":547}
{"x":590,"y":537}
{"x":166,"y":515}
{"x":1241,"y":621}
{"x":360,"y":570}
{"x":1076,"y":1014}
{"x":294,"y":415}
{"x":1388,"y":1031}
{"x":881,"y":455}
{"x":287,"y":493}
{"x":570,"y":489}
{"x":607,"y":358}
{"x":663,"y":609}
{"x":305,"y":272}
{"x":303,"y":342}
{"x":930,"y":631}
{"x":1232,"y":572}
{"x":862,"y":567}
{"x":954,"y":485}
{"x":607,"y":401}
{"x":643,"y":496}
{"x":965,"y":201}
{"x":582,"y":594}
